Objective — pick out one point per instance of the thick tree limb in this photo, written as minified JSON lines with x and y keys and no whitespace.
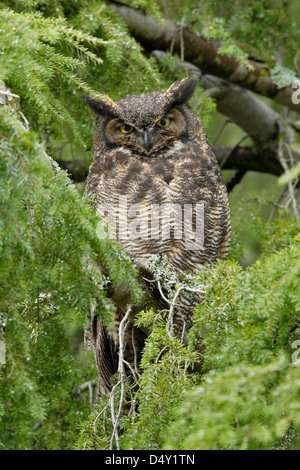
{"x":235,"y":179}
{"x":230,"y":157}
{"x":244,"y":158}
{"x":202,"y":53}
{"x":241,"y":106}
{"x":251,"y":114}
{"x":255,"y":117}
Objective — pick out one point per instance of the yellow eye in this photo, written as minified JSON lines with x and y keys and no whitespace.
{"x":126,"y":129}
{"x":165,"y":122}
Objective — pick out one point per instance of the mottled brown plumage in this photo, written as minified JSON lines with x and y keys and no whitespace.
{"x":151,"y":152}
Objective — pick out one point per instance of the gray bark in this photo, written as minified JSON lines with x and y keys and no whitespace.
{"x":229,"y":157}
{"x":241,"y":106}
{"x":204,"y":54}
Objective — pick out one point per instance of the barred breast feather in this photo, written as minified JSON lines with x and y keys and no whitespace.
{"x":155,"y":180}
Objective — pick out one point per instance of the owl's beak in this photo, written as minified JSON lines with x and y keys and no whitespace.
{"x":147,"y":141}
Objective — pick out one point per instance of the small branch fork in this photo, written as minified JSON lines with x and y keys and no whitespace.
{"x":122,"y":382}
{"x":122,"y":377}
{"x":289,"y":194}
{"x":173,"y":304}
{"x":290,"y":183}
{"x":8,"y":93}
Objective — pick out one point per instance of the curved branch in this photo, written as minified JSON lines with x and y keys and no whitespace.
{"x":245,"y":158}
{"x":232,"y":158}
{"x":243,"y":108}
{"x":202,"y":53}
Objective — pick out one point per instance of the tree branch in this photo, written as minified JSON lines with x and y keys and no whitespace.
{"x":241,"y":106}
{"x":202,"y":53}
{"x":254,"y":116}
{"x":245,"y":158}
{"x":242,"y":158}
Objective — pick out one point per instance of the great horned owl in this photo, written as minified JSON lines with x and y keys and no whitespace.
{"x":153,"y":165}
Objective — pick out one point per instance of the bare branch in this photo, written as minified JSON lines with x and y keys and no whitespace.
{"x":240,"y":106}
{"x":290,"y":185}
{"x":248,"y":159}
{"x":244,"y":158}
{"x":202,"y":53}
{"x":8,"y":93}
{"x":235,"y":179}
{"x":122,"y":374}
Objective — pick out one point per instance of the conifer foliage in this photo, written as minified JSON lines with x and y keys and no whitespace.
{"x":243,"y":391}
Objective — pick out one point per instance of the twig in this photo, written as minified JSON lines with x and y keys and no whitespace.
{"x":295,"y":61}
{"x":164,"y":297}
{"x":181,"y":39}
{"x":235,"y":179}
{"x":162,"y":294}
{"x":122,"y":373}
{"x":8,"y":93}
{"x":219,"y":132}
{"x":173,"y":304}
{"x":86,"y":385}
{"x":160,"y":354}
{"x":276,"y":203}
{"x":137,"y":374}
{"x":290,"y":184}
{"x":223,"y":161}
{"x":27,"y":125}
{"x":105,"y":408}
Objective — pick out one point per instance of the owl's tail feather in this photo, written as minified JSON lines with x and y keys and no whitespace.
{"x":105,"y":352}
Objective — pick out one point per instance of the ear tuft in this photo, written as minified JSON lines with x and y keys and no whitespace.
{"x":105,"y":108}
{"x":180,"y":92}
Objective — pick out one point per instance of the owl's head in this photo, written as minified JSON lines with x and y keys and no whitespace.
{"x":146,"y":124}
